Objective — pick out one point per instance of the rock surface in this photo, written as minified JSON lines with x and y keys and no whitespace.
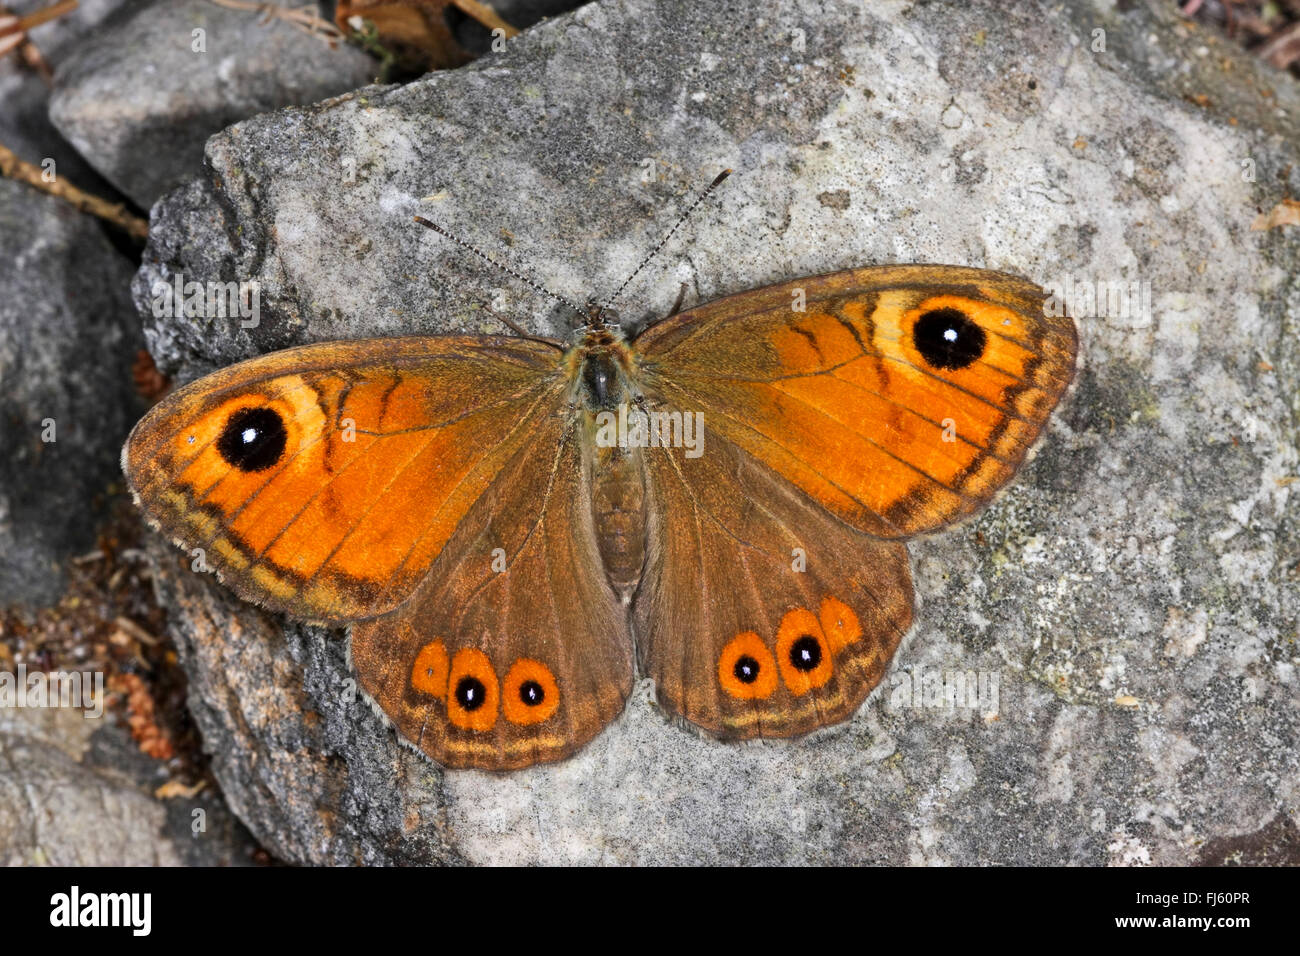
{"x":24,"y":122}
{"x":76,"y":791}
{"x":67,"y":340}
{"x":1133,"y":592}
{"x":139,"y":99}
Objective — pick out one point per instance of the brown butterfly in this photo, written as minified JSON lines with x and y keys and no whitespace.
{"x":516,"y":527}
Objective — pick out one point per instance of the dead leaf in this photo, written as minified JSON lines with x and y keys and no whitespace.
{"x":174,"y":788}
{"x":1285,"y":213}
{"x":142,"y":719}
{"x":406,"y":28}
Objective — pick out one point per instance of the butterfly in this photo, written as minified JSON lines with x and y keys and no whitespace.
{"x":515,"y":528}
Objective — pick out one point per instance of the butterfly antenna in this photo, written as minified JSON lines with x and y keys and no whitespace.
{"x":655,"y":251}
{"x":527,"y":280}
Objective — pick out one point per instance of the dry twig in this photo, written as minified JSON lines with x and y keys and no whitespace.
{"x":13,"y":35}
{"x":306,"y":18}
{"x":14,"y":168}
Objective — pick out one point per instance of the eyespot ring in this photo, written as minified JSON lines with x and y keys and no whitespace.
{"x":529,"y":693}
{"x":948,"y":332}
{"x":253,"y":438}
{"x":746,"y":668}
{"x":839,"y":623}
{"x":802,"y":652}
{"x":473,"y":696}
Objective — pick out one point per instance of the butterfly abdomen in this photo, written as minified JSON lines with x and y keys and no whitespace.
{"x":618,"y":507}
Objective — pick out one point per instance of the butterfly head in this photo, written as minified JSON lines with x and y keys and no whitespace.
{"x":594,"y":317}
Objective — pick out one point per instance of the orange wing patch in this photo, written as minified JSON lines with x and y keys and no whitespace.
{"x":325,"y":480}
{"x":839,"y":623}
{"x":806,"y":645}
{"x":802,"y":652}
{"x":431,"y":670}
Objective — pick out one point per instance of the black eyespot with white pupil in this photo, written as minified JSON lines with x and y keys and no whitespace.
{"x":532,"y":693}
{"x":253,"y":439}
{"x":470,"y":693}
{"x":806,"y":653}
{"x":746,"y":669}
{"x":948,"y":339}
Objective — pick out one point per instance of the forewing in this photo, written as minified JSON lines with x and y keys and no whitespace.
{"x":325,"y":480}
{"x":898,"y":397}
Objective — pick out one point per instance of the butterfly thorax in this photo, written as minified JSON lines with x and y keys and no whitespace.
{"x":602,"y":367}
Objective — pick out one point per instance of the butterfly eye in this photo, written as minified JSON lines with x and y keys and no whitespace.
{"x":429,"y":673}
{"x":802,"y":652}
{"x":253,"y":439}
{"x":948,"y":338}
{"x":839,"y":623}
{"x":529,"y":692}
{"x":472,"y":691}
{"x":746,"y":668}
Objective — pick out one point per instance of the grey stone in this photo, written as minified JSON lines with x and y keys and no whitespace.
{"x":76,"y":791}
{"x":67,"y":341}
{"x":138,"y":101}
{"x":1133,"y":591}
{"x":24,"y":122}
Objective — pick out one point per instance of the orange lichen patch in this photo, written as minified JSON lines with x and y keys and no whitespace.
{"x":746,"y":668}
{"x":472,"y":692}
{"x":839,"y":623}
{"x":802,"y":652}
{"x":529,"y":692}
{"x":431,"y":669}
